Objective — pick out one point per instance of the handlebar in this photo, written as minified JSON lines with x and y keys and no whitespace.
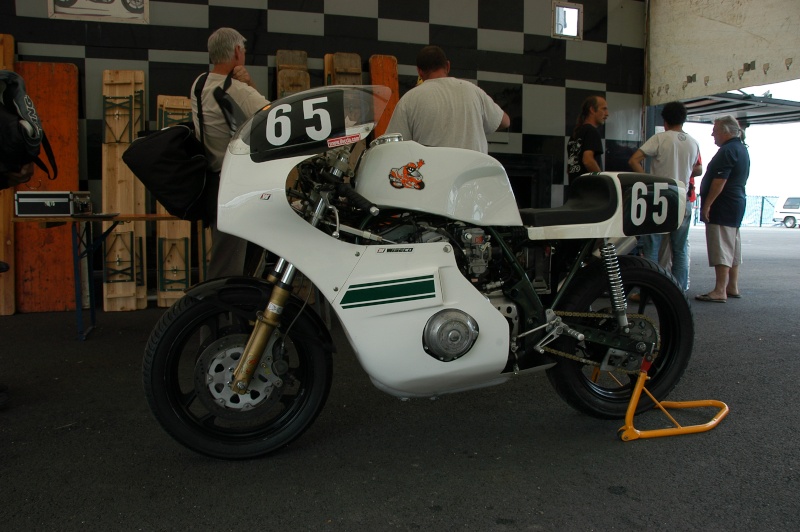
{"x":345,"y":190}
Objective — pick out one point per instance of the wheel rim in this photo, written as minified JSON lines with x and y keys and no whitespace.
{"x":618,"y":385}
{"x":606,"y":394}
{"x":196,"y":401}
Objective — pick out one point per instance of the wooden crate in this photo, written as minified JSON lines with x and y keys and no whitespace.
{"x":44,"y":276}
{"x":125,"y":258}
{"x":7,"y":301}
{"x":292,"y":81}
{"x":291,"y":59}
{"x":292,"y":68}
{"x":383,"y":71}
{"x":203,"y":250}
{"x":342,"y":68}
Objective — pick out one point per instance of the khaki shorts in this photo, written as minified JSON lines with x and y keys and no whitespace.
{"x":724,"y":245}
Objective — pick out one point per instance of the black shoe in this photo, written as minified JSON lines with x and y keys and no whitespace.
{"x":3,"y":267}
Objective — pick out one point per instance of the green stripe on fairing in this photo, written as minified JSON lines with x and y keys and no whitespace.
{"x":386,"y":302}
{"x":393,"y":281}
{"x":386,"y":292}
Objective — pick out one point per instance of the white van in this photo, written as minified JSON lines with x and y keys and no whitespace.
{"x":787,"y":210}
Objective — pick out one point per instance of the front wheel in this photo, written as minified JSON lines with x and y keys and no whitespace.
{"x":187,"y":368}
{"x":661,"y":302}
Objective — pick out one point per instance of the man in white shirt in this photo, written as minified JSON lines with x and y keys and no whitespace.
{"x":226,"y":50}
{"x":445,"y":111}
{"x":674,"y":153}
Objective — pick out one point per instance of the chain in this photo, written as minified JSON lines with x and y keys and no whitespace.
{"x":595,"y":315}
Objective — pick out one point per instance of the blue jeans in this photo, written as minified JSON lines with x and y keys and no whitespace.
{"x":679,"y":241}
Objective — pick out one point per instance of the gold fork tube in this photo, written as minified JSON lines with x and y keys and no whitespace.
{"x":266,"y":323}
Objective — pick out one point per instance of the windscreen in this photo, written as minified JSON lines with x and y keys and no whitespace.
{"x":311,"y":121}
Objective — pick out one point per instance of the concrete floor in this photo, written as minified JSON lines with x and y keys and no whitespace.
{"x":79,"y":449}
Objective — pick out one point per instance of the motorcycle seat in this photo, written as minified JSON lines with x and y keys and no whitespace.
{"x":592,"y":199}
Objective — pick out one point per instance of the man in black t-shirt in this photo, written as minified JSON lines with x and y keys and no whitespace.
{"x":585,"y":147}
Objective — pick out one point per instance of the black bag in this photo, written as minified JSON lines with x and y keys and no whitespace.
{"x":21,"y":133}
{"x":172,"y":165}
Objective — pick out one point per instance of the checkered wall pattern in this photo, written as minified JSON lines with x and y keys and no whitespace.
{"x":503,"y":45}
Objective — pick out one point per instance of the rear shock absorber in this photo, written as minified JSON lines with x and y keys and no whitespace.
{"x":615,"y":290}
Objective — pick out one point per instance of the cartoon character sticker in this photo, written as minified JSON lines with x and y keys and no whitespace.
{"x":408,"y":176}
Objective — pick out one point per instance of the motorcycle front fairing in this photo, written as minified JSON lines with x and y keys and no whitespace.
{"x":383,"y":295}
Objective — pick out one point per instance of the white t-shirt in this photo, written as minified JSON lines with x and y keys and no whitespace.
{"x":673,"y":153}
{"x":447,"y":112}
{"x":217,"y":133}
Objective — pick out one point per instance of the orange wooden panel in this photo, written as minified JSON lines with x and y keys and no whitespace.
{"x":383,"y":71}
{"x":44,"y":274}
{"x":7,"y":306}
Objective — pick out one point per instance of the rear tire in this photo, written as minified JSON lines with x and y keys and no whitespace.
{"x":596,"y":393}
{"x":187,"y":365}
{"x":789,"y":221}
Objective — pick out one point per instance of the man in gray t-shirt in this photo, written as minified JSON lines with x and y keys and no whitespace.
{"x":445,"y":111}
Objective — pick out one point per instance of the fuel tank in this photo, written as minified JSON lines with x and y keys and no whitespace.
{"x":459,"y":184}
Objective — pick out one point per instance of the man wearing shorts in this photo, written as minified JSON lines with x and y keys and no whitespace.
{"x":722,"y":205}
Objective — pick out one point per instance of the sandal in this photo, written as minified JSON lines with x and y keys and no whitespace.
{"x":708,"y":299}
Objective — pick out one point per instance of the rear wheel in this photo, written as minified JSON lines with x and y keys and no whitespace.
{"x":606,"y":394}
{"x":789,"y":221}
{"x":187,"y":369}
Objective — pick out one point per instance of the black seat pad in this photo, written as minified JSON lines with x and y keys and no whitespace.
{"x":592,"y":199}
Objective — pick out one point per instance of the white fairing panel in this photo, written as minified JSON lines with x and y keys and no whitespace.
{"x":460,"y":184}
{"x":385,"y":304}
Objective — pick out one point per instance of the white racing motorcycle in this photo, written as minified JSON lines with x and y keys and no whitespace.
{"x":440,"y":283}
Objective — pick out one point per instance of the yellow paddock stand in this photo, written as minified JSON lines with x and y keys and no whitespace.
{"x":629,"y":433}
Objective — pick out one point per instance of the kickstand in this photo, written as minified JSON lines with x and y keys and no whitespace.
{"x":629,"y":433}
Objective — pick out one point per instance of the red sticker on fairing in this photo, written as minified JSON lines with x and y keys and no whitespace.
{"x":407,"y":176}
{"x":344,"y":141}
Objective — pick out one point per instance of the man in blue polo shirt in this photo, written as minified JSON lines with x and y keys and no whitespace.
{"x":722,"y":205}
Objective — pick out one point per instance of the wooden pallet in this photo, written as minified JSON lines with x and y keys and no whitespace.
{"x":125,"y":258}
{"x":292,"y":68}
{"x":383,"y":71}
{"x":44,"y":274}
{"x":7,"y":301}
{"x":342,"y":68}
{"x":174,"y":244}
{"x":203,"y":250}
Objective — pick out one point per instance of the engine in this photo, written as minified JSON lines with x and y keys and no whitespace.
{"x":480,"y":259}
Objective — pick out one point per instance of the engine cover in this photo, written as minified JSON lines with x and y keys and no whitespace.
{"x":449,"y":334}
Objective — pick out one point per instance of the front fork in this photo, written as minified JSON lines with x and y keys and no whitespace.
{"x":270,"y":318}
{"x":266,"y":322}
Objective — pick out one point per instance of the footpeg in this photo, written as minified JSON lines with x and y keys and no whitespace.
{"x":555,"y":327}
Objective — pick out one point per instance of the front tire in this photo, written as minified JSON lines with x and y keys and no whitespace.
{"x":187,"y":365}
{"x":606,"y":394}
